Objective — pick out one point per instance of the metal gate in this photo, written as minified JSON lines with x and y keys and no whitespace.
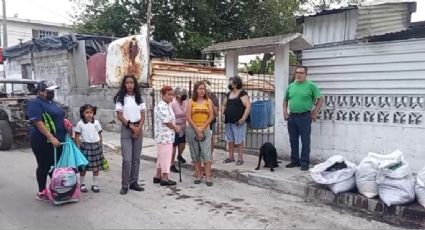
{"x":260,"y":89}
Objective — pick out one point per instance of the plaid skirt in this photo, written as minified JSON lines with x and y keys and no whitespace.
{"x":94,"y":154}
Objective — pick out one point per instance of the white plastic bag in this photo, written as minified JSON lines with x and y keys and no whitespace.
{"x":396,"y":186}
{"x":338,"y":181}
{"x":420,"y":187}
{"x":367,"y":171}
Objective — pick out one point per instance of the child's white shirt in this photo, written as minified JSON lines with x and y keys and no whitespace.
{"x":89,"y":131}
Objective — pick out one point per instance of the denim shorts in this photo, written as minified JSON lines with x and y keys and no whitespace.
{"x":179,"y":139}
{"x":235,"y":133}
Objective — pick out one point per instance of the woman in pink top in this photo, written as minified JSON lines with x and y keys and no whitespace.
{"x":179,"y":108}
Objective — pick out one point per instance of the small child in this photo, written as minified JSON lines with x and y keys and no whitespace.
{"x":88,"y":136}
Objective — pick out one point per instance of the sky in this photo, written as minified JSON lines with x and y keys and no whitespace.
{"x":60,"y":11}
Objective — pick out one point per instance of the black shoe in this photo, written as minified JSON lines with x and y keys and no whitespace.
{"x":156,"y":180}
{"x":167,"y":183}
{"x":181,"y":159}
{"x":136,"y":187}
{"x":305,"y":167}
{"x":293,"y":165}
{"x":123,"y":191}
{"x":174,"y":169}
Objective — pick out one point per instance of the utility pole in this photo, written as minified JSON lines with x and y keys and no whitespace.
{"x":148,"y":34}
{"x":4,"y":25}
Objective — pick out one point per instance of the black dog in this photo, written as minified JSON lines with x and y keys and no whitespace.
{"x":269,"y":155}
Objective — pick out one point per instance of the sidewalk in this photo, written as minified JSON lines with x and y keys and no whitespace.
{"x":294,"y":182}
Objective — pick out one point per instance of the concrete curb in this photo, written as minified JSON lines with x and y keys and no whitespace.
{"x":408,"y":216}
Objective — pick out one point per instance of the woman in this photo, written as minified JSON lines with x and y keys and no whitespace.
{"x":199,"y":116}
{"x":131,"y":112}
{"x":179,"y":108}
{"x":47,"y":133}
{"x":236,"y":113}
{"x":165,"y":131}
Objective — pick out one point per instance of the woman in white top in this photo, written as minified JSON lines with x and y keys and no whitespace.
{"x":165,"y":130}
{"x":130,"y":110}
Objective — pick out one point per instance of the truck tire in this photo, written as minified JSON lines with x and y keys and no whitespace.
{"x":6,"y":135}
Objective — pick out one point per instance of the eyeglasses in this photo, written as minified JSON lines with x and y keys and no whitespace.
{"x":300,"y":72}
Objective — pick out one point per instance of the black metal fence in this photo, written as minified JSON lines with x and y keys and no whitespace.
{"x":260,"y":89}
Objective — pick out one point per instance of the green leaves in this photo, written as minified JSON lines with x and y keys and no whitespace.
{"x":191,"y":25}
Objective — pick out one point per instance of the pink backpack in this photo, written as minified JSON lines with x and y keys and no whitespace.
{"x":64,"y":186}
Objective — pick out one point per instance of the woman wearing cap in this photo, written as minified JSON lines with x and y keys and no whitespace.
{"x":179,"y":108}
{"x":47,"y":133}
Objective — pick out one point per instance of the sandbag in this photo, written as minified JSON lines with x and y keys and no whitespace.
{"x":395,"y":182}
{"x":367,"y":171}
{"x":420,"y":187}
{"x":343,"y":186}
{"x":338,"y":181}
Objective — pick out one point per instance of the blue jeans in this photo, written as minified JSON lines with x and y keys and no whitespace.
{"x":299,"y":124}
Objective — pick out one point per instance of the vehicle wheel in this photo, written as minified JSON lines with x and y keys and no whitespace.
{"x":6,"y":135}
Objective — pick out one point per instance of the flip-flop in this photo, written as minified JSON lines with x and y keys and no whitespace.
{"x":239,"y":162}
{"x":228,"y":160}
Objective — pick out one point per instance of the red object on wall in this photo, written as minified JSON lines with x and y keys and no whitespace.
{"x":1,"y":55}
{"x":96,"y":66}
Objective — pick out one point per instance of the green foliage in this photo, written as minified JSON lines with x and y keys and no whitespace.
{"x":191,"y":25}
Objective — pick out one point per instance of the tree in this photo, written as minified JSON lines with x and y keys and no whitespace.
{"x":191,"y":25}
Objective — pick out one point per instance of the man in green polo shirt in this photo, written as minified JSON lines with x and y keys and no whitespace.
{"x":304,"y":99}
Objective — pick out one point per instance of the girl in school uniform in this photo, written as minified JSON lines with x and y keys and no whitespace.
{"x":130,"y":110}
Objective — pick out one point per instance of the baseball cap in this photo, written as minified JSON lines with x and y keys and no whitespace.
{"x":45,"y":85}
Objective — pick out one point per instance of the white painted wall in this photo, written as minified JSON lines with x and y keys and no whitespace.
{"x":22,"y":29}
{"x":375,"y":100}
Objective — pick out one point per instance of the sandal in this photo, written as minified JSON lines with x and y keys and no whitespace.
{"x":239,"y":162}
{"x":228,"y":160}
{"x":197,"y":181}
{"x":95,"y":188}
{"x":83,"y":188}
{"x":209,"y":183}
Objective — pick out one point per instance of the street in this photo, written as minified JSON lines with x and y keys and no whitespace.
{"x":226,"y":205}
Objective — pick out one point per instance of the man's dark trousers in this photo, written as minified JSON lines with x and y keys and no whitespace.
{"x":299,"y":124}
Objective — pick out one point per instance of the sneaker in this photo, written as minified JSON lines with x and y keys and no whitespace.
{"x":239,"y":162}
{"x":83,"y":188}
{"x":293,"y":165}
{"x":42,"y":196}
{"x":305,"y":167}
{"x":181,"y":159}
{"x":209,"y":183}
{"x":174,"y":169}
{"x":167,"y":183}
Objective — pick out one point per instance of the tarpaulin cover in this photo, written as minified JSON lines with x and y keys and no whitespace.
{"x":94,"y":44}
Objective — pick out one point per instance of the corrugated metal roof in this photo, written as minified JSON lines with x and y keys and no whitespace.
{"x":297,"y":41}
{"x":382,"y":19}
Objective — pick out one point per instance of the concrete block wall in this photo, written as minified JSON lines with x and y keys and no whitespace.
{"x":103,"y":99}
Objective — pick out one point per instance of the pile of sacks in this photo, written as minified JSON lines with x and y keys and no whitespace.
{"x":388,"y":176}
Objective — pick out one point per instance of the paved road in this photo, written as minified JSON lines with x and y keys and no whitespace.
{"x":228,"y":204}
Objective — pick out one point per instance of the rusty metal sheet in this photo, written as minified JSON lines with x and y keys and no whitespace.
{"x":127,"y":56}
